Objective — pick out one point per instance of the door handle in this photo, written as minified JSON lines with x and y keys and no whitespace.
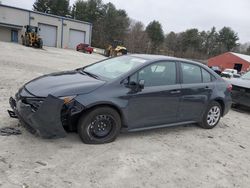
{"x":175,"y":92}
{"x":207,"y":88}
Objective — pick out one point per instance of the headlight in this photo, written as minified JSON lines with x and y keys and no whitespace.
{"x":67,"y":99}
{"x":35,"y":103}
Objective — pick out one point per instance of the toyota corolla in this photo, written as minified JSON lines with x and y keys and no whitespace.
{"x":127,"y":93}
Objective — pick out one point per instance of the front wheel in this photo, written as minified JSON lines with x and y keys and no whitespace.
{"x":212,"y":116}
{"x":100,"y":125}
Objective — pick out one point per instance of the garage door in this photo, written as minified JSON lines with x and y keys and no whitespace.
{"x":76,"y":37}
{"x":48,"y":34}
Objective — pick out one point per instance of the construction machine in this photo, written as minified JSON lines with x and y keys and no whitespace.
{"x":116,"y":49}
{"x":31,"y":38}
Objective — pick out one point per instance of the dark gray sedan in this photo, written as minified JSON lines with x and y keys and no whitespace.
{"x":128,"y":93}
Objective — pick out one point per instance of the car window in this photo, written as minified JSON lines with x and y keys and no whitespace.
{"x":191,"y":73}
{"x":158,"y":74}
{"x":206,"y":76}
{"x":114,"y":67}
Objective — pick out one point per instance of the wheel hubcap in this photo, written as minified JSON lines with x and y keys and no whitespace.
{"x":213,"y":116}
{"x":101,"y":126}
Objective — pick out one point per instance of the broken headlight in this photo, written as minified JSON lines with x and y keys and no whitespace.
{"x":35,"y":103}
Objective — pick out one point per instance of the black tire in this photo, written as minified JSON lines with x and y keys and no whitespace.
{"x":105,"y":117}
{"x":40,"y":43}
{"x":206,"y":119}
{"x":124,"y":52}
{"x":23,"y":41}
{"x":107,"y":53}
{"x":27,"y":41}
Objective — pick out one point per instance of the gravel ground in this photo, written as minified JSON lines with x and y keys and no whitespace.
{"x":185,"y":156}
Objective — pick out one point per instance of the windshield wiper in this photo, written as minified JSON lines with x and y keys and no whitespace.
{"x":90,"y":74}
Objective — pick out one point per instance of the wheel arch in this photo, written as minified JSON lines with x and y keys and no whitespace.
{"x":222,"y":104}
{"x":110,"y":105}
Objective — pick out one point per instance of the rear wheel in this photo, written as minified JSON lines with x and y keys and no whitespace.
{"x":212,"y":116}
{"x":124,"y":52}
{"x":27,"y":41}
{"x":41,"y":43}
{"x":100,"y":125}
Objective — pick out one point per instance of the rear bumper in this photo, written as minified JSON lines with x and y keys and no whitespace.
{"x":227,"y":107}
{"x":241,"y":98}
{"x":46,"y":121}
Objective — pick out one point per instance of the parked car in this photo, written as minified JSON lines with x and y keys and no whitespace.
{"x":241,"y":90}
{"x":230,"y":73}
{"x":86,"y":48}
{"x":126,"y":93}
{"x":216,"y":69}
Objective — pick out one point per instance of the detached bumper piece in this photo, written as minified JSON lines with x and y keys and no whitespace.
{"x":46,"y":121}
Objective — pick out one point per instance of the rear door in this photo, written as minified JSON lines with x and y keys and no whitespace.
{"x":196,"y":91}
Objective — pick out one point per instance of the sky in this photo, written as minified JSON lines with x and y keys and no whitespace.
{"x":179,"y":15}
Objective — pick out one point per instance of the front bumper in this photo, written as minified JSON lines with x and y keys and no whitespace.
{"x":46,"y":121}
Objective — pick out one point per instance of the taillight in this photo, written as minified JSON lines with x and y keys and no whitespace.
{"x":229,"y":87}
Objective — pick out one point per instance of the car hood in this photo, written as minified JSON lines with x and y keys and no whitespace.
{"x":240,"y":82}
{"x":63,"y":84}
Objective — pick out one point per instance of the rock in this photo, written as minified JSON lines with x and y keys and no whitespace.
{"x":242,"y":147}
{"x":41,"y":163}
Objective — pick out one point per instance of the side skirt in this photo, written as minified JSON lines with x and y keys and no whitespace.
{"x":157,"y":126}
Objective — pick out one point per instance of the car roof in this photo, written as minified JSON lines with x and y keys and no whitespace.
{"x":150,"y":58}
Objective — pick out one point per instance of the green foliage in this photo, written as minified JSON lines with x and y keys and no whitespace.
{"x":156,"y":34}
{"x":228,"y":38}
{"x":56,"y":7}
{"x":89,"y":11}
{"x":41,"y":5}
{"x":108,"y":22}
{"x":201,"y":44}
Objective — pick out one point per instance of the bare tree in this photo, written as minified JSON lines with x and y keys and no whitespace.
{"x":137,"y":39}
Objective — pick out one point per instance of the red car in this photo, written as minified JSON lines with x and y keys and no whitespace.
{"x":86,"y":48}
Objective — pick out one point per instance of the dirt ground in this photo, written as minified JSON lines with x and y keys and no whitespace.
{"x":185,"y":156}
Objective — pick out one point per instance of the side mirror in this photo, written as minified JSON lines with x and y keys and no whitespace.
{"x":132,"y":85}
{"x":136,"y":86}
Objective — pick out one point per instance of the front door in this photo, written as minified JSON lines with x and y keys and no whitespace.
{"x":158,"y":102}
{"x":14,"y":36}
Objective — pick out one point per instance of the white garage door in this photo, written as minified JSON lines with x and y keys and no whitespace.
{"x":48,"y":34}
{"x":76,"y":37}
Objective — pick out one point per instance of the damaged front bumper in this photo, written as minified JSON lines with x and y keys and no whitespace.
{"x":45,"y":121}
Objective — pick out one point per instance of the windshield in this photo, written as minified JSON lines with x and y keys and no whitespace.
{"x":113,"y":68}
{"x":246,"y":76}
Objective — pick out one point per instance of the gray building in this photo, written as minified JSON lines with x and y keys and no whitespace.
{"x":56,"y":31}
